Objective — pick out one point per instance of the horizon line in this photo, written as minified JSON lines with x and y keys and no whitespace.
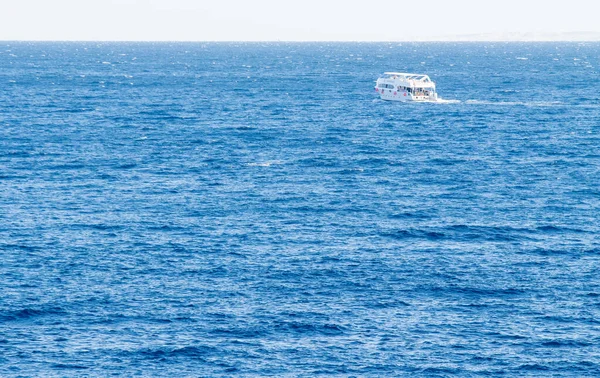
{"x":303,"y":41}
{"x":502,"y":37}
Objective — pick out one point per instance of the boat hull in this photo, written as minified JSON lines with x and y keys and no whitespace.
{"x":394,"y":95}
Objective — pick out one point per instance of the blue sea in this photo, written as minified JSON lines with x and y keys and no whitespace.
{"x":255,"y":210}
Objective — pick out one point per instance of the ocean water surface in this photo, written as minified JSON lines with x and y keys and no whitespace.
{"x":232,"y":209}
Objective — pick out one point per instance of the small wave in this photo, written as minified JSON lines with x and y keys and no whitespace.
{"x":22,"y":247}
{"x":436,"y":371}
{"x":98,"y":226}
{"x":389,"y":304}
{"x":240,"y":333}
{"x":126,"y":165}
{"x":415,"y":234}
{"x":559,"y":230}
{"x":186,"y":352}
{"x":69,"y":367}
{"x":30,"y":313}
{"x":305,"y":328}
{"x":16,"y":154}
{"x":460,"y":232}
{"x":410,"y":215}
{"x":533,"y":367}
{"x":566,"y":343}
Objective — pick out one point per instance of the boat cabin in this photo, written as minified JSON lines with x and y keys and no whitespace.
{"x":402,"y":86}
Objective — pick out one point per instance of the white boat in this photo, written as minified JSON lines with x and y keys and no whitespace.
{"x":398,"y":86}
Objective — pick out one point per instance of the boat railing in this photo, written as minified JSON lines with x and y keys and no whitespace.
{"x":410,"y":82}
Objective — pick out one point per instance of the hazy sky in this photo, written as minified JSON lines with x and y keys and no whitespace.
{"x":288,"y":20}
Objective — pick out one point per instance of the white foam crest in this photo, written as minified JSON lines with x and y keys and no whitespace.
{"x":443,"y":101}
{"x":515,"y":103}
{"x":265,"y":163}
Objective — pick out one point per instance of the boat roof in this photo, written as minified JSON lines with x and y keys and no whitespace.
{"x":411,"y":76}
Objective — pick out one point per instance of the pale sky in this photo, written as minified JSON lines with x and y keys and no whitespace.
{"x":288,"y":20}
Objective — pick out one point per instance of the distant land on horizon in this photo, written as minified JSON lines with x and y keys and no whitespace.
{"x":518,"y":37}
